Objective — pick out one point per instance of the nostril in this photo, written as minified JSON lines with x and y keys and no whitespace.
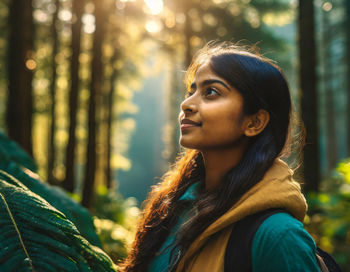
{"x":188,"y":107}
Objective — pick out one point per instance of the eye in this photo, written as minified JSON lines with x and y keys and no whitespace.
{"x":211,"y":92}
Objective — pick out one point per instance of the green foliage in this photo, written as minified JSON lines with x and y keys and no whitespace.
{"x":11,"y":151}
{"x":36,"y":236}
{"x":344,"y":169}
{"x":15,"y":162}
{"x":329,"y":217}
{"x":115,"y":221}
{"x":108,"y":204}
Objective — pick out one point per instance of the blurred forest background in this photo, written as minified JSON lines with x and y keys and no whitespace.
{"x":91,"y":90}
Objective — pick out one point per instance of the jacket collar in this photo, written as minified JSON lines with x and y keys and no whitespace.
{"x":277,"y":189}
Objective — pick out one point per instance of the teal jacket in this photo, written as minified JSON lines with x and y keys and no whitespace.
{"x":280,"y":244}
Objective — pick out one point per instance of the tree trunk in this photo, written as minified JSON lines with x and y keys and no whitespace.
{"x":309,"y":105}
{"x":77,"y":9}
{"x":51,"y":143}
{"x":173,"y":93}
{"x":188,"y":35}
{"x":95,"y":89}
{"x":110,"y":101}
{"x":21,"y":64}
{"x":332,"y":155}
{"x":347,"y":75}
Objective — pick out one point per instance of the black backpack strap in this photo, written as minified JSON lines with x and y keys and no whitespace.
{"x":238,"y":250}
{"x":325,"y":259}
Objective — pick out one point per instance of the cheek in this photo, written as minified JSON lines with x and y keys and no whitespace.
{"x":236,"y":118}
{"x":227,"y":127}
{"x":225,"y":118}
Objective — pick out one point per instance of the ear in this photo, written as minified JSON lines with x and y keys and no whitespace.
{"x":256,"y":123}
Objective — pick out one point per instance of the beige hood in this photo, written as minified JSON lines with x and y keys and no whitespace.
{"x":277,"y":189}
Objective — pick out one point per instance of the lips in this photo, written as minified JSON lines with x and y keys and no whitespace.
{"x":190,"y":122}
{"x":187,"y":123}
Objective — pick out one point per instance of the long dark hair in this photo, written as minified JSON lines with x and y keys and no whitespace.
{"x":263,"y":86}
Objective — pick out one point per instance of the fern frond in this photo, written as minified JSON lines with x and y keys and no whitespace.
{"x":51,"y":241}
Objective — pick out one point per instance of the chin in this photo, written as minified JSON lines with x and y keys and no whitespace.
{"x":188,"y":144}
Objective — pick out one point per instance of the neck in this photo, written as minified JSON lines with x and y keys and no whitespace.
{"x":218,"y":162}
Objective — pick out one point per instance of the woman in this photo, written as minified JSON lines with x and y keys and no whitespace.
{"x":235,"y":123}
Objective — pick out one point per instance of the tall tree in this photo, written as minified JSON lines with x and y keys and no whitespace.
{"x":77,"y":10}
{"x":95,"y":90}
{"x":51,"y":142}
{"x":113,"y":33}
{"x":347,"y":75}
{"x":174,"y":96}
{"x":110,"y":101}
{"x":327,"y":35}
{"x":309,"y":105}
{"x":21,"y":64}
{"x":188,"y":32}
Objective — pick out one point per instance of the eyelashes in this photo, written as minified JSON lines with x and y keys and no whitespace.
{"x":209,"y":92}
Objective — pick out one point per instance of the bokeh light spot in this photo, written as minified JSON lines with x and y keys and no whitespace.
{"x":155,"y":6}
{"x":195,"y":41}
{"x":153,"y":26}
{"x":65,"y":15}
{"x":180,"y":18}
{"x":31,"y":64}
{"x":327,"y":6}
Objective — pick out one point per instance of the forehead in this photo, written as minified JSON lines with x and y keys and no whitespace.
{"x":205,"y":72}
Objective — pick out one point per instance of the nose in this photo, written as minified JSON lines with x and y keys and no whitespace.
{"x":189,"y":105}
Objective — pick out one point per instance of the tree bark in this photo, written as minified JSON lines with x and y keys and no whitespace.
{"x":77,"y":9}
{"x":173,"y":109}
{"x":332,"y":154}
{"x":51,"y":143}
{"x":21,"y":64}
{"x":188,"y":35}
{"x":347,"y":75}
{"x":111,"y":94}
{"x":95,"y":89}
{"x":309,"y":104}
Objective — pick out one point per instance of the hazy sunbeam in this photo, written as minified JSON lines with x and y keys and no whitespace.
{"x":155,"y":6}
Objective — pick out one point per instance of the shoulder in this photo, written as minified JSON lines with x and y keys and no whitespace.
{"x":282,"y":244}
{"x":281,"y":231}
{"x":279,"y":224}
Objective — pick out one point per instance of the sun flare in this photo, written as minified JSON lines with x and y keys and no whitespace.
{"x":155,"y":6}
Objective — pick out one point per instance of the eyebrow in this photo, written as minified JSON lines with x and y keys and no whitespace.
{"x":208,"y":82}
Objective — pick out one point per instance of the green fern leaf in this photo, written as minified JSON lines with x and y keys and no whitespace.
{"x":37,"y":237}
{"x":14,"y":161}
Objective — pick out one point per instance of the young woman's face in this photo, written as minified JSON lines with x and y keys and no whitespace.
{"x":211,"y":116}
